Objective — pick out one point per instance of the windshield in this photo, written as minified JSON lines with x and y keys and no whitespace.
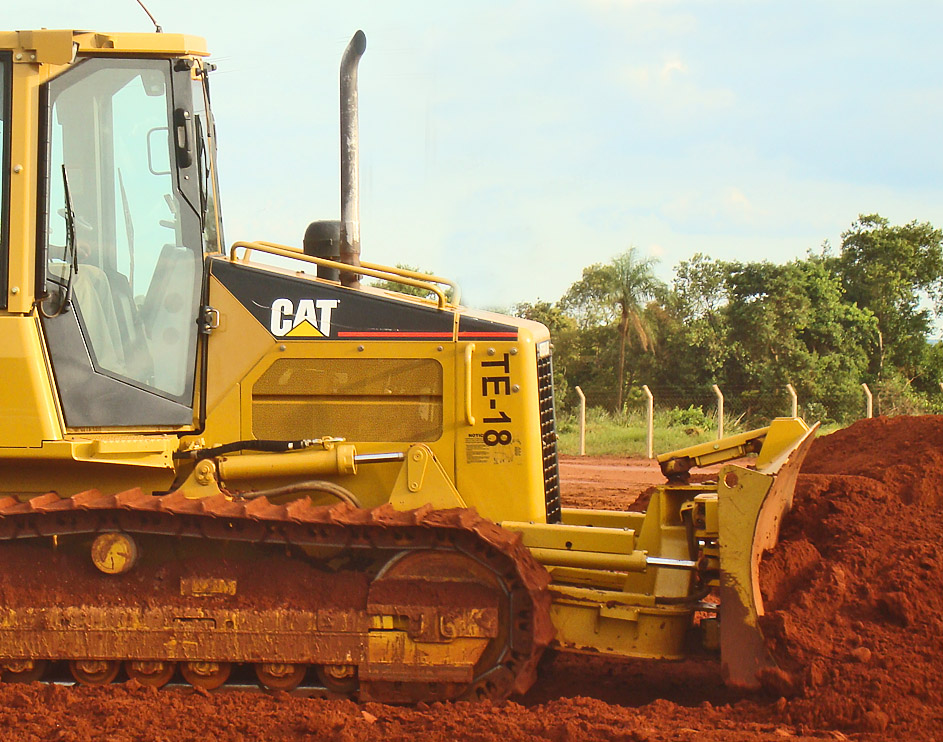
{"x":123,"y":218}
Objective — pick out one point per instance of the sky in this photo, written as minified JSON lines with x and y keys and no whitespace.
{"x":509,"y":145}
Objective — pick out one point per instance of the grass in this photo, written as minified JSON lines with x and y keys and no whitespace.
{"x":608,"y":434}
{"x":627,"y":435}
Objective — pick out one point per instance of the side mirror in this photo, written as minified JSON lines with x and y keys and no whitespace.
{"x":158,"y":159}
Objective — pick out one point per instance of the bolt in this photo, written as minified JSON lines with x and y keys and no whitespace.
{"x":204,"y":473}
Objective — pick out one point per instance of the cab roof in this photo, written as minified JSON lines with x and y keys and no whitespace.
{"x":61,"y":46}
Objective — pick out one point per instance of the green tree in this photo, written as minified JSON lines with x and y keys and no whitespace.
{"x":550,"y":315}
{"x":405,"y":288}
{"x":897,"y":273}
{"x":696,"y":326}
{"x":791,"y":324}
{"x":754,"y":327}
{"x":616,"y":293}
{"x":562,"y":331}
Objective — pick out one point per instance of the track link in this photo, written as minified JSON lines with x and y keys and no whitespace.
{"x":389,"y":606}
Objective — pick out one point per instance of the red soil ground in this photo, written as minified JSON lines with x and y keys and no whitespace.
{"x":853,"y":597}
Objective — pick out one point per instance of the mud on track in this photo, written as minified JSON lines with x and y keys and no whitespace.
{"x":854,"y":616}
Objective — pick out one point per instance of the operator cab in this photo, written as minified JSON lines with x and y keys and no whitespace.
{"x":129,"y":203}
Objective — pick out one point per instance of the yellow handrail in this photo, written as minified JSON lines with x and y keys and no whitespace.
{"x":418,"y":275}
{"x":469,"y":417}
{"x":395,"y":275}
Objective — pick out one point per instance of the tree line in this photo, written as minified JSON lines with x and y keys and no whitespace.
{"x":826,"y":323}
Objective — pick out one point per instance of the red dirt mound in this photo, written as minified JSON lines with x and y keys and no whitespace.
{"x":854,"y":591}
{"x":904,"y":453}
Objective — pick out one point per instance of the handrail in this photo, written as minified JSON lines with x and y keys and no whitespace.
{"x":286,"y":251}
{"x":420,"y":276}
{"x":394,"y":272}
{"x":469,"y":416}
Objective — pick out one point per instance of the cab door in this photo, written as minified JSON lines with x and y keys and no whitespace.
{"x":122,"y":246}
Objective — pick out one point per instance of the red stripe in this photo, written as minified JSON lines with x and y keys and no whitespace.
{"x":395,"y":333}
{"x":438,"y":335}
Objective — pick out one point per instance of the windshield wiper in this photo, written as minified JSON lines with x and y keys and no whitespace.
{"x":71,"y":254}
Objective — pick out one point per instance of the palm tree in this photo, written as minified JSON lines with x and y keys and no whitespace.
{"x":632,"y":284}
{"x":616,"y":291}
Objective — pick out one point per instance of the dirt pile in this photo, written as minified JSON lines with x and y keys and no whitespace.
{"x":132,"y":713}
{"x":854,"y":591}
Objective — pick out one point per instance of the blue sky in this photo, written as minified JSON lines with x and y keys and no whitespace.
{"x":510,"y":144}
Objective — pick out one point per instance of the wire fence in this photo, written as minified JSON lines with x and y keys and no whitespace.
{"x":877,"y":398}
{"x":707,"y":414}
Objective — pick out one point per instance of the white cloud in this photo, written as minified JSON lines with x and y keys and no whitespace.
{"x":723,"y":204}
{"x":673,"y":65}
{"x":738,"y":205}
{"x":670,"y":88}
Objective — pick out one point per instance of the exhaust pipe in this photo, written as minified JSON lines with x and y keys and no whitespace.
{"x":350,"y":167}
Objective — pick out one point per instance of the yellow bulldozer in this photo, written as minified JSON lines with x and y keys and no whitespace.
{"x":243,"y":460}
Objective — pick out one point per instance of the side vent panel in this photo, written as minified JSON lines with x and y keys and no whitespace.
{"x":360,"y":399}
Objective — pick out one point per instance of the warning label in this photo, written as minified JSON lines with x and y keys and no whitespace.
{"x":480,"y":450}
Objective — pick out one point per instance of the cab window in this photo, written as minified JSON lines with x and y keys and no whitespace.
{"x":124,"y":242}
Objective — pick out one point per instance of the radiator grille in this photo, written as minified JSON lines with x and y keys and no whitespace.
{"x":548,"y":439}
{"x":360,"y":399}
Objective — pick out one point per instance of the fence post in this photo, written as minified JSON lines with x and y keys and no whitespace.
{"x":869,"y":401}
{"x":582,"y":421}
{"x":720,"y":411}
{"x":651,"y":420}
{"x":795,"y":399}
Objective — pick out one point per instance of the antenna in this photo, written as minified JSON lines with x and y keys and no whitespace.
{"x":156,"y":24}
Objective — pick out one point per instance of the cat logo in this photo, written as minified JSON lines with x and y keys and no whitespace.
{"x":311,"y":319}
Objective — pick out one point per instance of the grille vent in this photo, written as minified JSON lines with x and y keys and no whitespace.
{"x":548,"y":439}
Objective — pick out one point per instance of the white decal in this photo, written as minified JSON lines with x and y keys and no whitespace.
{"x":312,"y":318}
{"x":326,"y":306}
{"x":282,"y":311}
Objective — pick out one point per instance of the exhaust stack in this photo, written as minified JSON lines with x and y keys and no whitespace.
{"x":350,"y":166}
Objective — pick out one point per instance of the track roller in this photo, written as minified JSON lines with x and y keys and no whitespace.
{"x":206,"y":675}
{"x":280,"y":676}
{"x":22,"y":671}
{"x":152,"y":673}
{"x":94,"y":672}
{"x":339,"y":678}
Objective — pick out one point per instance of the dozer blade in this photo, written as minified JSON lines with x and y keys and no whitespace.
{"x":751,"y":505}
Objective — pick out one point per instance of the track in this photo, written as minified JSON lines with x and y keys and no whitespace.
{"x":380,"y":604}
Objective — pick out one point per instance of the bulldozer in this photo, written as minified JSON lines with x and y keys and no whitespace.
{"x":217,"y":460}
